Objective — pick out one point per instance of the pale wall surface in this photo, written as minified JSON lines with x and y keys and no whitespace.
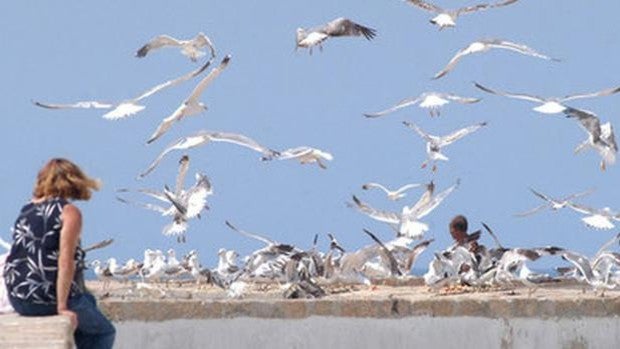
{"x":332,"y":332}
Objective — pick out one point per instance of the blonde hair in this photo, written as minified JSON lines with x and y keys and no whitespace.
{"x":62,"y":178}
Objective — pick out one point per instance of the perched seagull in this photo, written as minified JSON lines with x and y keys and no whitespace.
{"x":485,"y":45}
{"x":190,"y":48}
{"x":393,"y":195}
{"x":435,"y":143}
{"x":597,"y":218}
{"x":551,"y":203}
{"x":447,"y":18}
{"x":600,"y":137}
{"x":590,"y":276}
{"x":550,"y":105}
{"x":304,"y":154}
{"x":204,"y":137}
{"x":432,"y":101}
{"x":127,"y":107}
{"x":338,"y":27}
{"x":191,"y":105}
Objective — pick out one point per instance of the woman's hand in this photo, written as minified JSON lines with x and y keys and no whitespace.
{"x":72,"y":317}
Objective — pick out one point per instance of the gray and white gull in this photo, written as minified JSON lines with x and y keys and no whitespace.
{"x":432,"y":101}
{"x":339,"y":27}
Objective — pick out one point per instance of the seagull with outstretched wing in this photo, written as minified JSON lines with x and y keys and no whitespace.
{"x":205,"y":137}
{"x":551,"y":203}
{"x":393,"y":195}
{"x":191,"y":105}
{"x":435,"y":143}
{"x":127,"y":107}
{"x":597,"y":218}
{"x":190,"y":48}
{"x":336,"y":28}
{"x":303,"y":154}
{"x":549,"y":105}
{"x":432,"y":101}
{"x":485,"y":45}
{"x":600,"y":137}
{"x":447,"y":18}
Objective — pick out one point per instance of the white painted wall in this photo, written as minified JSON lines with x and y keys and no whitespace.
{"x":337,"y":332}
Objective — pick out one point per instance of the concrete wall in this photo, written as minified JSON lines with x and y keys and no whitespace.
{"x":339,"y":332}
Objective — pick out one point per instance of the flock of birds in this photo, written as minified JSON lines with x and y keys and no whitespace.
{"x":303,"y":271}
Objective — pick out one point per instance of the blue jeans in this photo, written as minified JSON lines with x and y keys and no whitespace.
{"x":94,"y":329}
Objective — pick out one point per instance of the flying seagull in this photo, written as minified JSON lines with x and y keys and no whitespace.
{"x":393,"y":195}
{"x":304,"y":154}
{"x":551,"y":203}
{"x":432,"y":101}
{"x":190,"y":48}
{"x":408,"y":221}
{"x":191,"y":105}
{"x":338,"y":27}
{"x":435,"y":143}
{"x":485,"y":45}
{"x":205,"y":137}
{"x":600,"y":137}
{"x":127,"y":107}
{"x":550,"y":105}
{"x":447,"y":18}
{"x":597,"y":218}
{"x":182,"y":204}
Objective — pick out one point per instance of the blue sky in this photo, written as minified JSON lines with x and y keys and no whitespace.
{"x":283,"y":98}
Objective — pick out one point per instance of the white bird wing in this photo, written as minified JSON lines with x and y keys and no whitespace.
{"x":427,"y":137}
{"x":582,"y":209}
{"x":267,"y":241}
{"x":182,"y":143}
{"x":426,"y":6}
{"x":371,"y":185}
{"x":402,"y":104}
{"x":425,"y":209}
{"x":173,"y":82}
{"x":241,"y":140}
{"x":458,"y":134}
{"x":76,"y":105}
{"x":147,"y":206}
{"x":459,"y":99}
{"x":588,"y":121}
{"x":207,"y":80}
{"x":202,"y":40}
{"x":167,"y":122}
{"x":601,"y":93}
{"x":123,"y":110}
{"x":473,"y":8}
{"x":532,"y":211}
{"x":511,"y":95}
{"x":346,"y":27}
{"x":157,"y":42}
{"x":196,"y":201}
{"x":294,"y":153}
{"x":508,"y":45}
{"x":406,"y":187}
{"x":180,"y":181}
{"x":607,"y":134}
{"x":543,"y":196}
{"x":606,"y":246}
{"x":382,"y":216}
{"x":452,"y":63}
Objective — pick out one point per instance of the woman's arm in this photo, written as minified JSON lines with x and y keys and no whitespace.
{"x":69,"y":236}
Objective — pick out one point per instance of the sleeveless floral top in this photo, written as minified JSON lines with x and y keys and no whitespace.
{"x":32,"y":265}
